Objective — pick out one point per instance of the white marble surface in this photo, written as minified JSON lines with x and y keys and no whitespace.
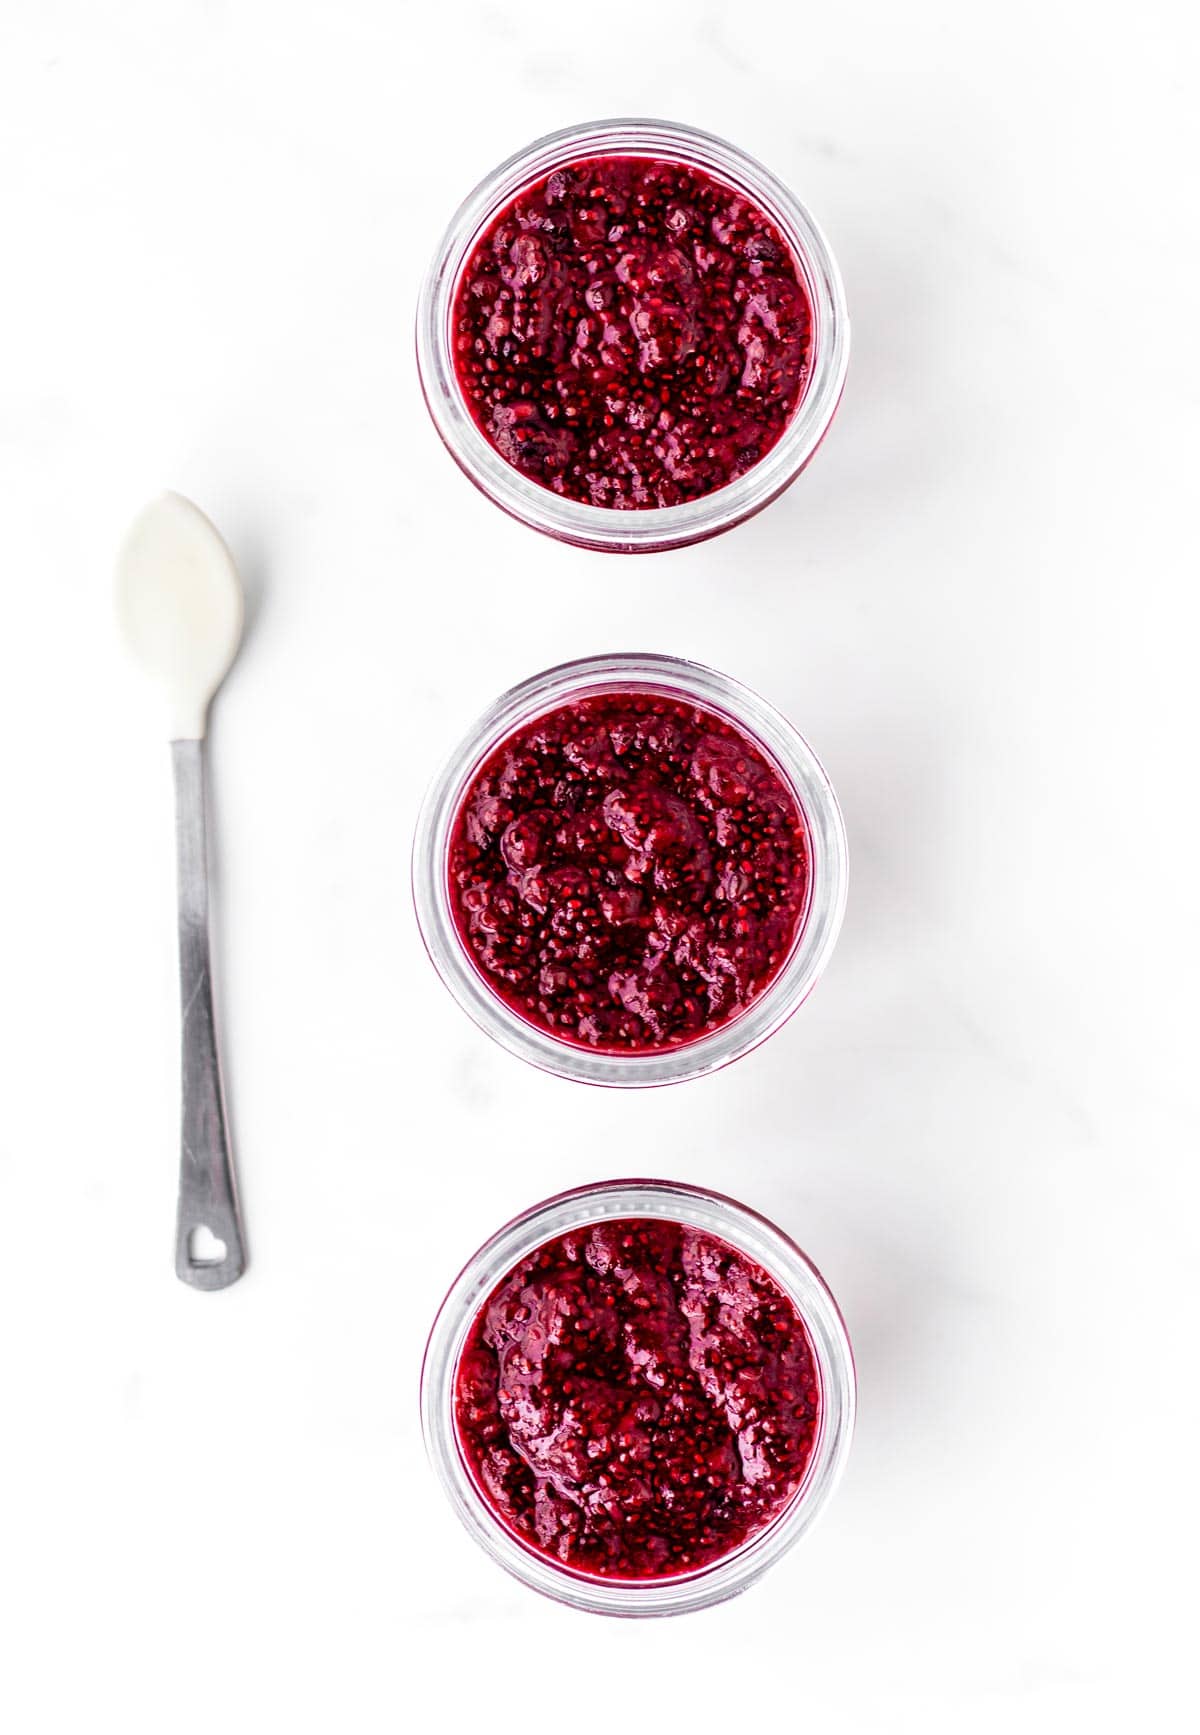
{"x":978,"y":604}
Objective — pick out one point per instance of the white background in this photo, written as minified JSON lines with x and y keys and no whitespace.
{"x":978,"y":606}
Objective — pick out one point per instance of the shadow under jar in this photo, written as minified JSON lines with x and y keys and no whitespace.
{"x":632,"y":336}
{"x":637,"y":1396}
{"x":631,"y":871}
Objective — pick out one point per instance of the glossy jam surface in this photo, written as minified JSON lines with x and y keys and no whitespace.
{"x":632,"y":333}
{"x":628,"y":872}
{"x":636,"y":1399}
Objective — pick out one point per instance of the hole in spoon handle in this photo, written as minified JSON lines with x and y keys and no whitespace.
{"x":209,"y":1248}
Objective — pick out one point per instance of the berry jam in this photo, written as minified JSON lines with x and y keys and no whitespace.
{"x":636,"y":1399}
{"x":632,"y":333}
{"x":628,"y":872}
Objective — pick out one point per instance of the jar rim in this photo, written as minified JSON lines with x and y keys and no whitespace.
{"x":827,"y":862}
{"x":751,"y":1234}
{"x":653,"y":528}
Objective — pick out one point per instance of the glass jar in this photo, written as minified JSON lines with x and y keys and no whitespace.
{"x":750,"y":1234}
{"x":792,"y":758}
{"x":633,"y":531}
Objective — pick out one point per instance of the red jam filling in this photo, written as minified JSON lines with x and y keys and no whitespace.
{"x":630,"y":332}
{"x":636,"y":1399}
{"x":628,"y":872}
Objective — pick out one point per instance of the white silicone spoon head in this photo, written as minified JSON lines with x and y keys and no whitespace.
{"x":180,"y":607}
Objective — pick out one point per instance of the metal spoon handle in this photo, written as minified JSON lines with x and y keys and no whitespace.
{"x":207,"y":1191}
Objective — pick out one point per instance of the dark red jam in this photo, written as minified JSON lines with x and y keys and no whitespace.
{"x":628,"y":872}
{"x":631,"y":332}
{"x":636,"y":1399}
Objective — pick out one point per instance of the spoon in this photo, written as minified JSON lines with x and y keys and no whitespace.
{"x":180,"y":609}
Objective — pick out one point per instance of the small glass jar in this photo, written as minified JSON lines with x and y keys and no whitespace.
{"x":751,"y":1235}
{"x":782,"y":746}
{"x":633,"y":531}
